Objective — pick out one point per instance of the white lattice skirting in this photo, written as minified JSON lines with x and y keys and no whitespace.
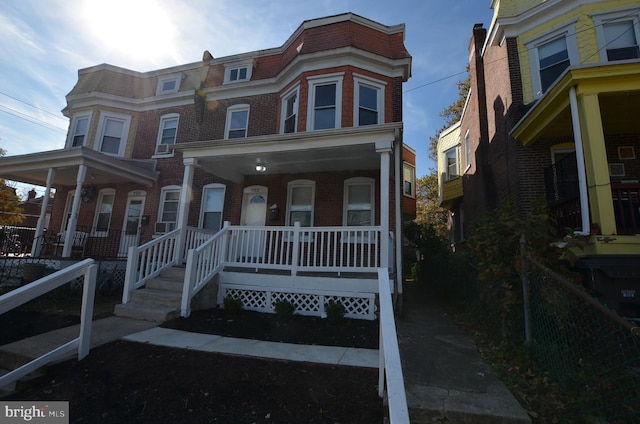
{"x":357,"y":305}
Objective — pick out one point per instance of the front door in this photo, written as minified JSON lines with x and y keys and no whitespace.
{"x":254,"y":214}
{"x":131,"y":226}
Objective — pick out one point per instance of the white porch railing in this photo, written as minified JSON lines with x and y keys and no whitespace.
{"x":203,"y":263}
{"x":290,"y":249}
{"x":148,"y":260}
{"x":315,"y":249}
{"x":86,"y":269}
{"x":390,"y":364}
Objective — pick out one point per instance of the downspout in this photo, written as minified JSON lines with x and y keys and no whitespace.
{"x":398,"y":238}
{"x":582,"y":173}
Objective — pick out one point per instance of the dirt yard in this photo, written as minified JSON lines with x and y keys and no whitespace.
{"x":125,"y":382}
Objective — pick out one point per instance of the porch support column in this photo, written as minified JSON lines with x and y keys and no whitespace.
{"x":582,"y":173}
{"x":595,"y":157}
{"x":38,"y":238}
{"x":385,"y":149}
{"x":75,"y":209}
{"x":185,"y":200}
{"x":399,"y":175}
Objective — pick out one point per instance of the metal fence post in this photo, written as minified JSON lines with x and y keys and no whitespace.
{"x":525,"y":290}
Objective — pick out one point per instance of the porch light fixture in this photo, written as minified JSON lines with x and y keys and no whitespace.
{"x":260,"y":167}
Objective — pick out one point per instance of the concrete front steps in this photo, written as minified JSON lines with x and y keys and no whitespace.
{"x":159,"y":301}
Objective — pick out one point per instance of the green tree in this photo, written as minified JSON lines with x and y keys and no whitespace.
{"x":10,"y":210}
{"x":428,"y":210}
{"x":451,"y":114}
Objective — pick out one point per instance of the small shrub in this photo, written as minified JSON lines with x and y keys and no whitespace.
{"x":284,"y":309}
{"x":232,"y":306}
{"x":335,"y":311}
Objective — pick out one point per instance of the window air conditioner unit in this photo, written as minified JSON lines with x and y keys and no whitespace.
{"x":162,"y":149}
{"x":165,"y":227}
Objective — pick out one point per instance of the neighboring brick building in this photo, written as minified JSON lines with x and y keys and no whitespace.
{"x":553,"y":81}
{"x":310,"y":131}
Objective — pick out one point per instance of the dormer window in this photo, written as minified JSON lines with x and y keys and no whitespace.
{"x":237,"y":73}
{"x":169,"y":84}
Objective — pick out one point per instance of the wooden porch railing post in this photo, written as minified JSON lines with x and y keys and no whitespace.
{"x":224,"y":249}
{"x":130,"y":274}
{"x":295,"y":254}
{"x":86,"y":313}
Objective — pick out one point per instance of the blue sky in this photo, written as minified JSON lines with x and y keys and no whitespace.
{"x":43,"y":43}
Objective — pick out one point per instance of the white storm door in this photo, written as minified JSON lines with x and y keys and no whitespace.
{"x":254,"y":214}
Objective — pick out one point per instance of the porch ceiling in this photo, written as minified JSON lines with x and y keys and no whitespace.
{"x":334,"y":150}
{"x":618,"y":90}
{"x":101,"y":169}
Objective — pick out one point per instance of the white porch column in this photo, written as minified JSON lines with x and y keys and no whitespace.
{"x":185,"y":200}
{"x":384,"y":148}
{"x":75,"y":209}
{"x":582,"y":173}
{"x":399,"y":186}
{"x":38,"y":237}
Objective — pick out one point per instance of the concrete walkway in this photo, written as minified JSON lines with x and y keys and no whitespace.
{"x":444,"y":376}
{"x":445,"y":379}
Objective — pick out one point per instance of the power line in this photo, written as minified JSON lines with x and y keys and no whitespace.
{"x":28,"y":118}
{"x":533,"y":48}
{"x":29,"y":104}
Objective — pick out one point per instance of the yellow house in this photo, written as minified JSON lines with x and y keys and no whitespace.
{"x":555,"y":86}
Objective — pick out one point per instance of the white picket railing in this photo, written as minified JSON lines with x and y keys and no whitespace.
{"x":390,"y":364}
{"x":318,"y":249}
{"x":203,"y":263}
{"x":86,"y":269}
{"x":148,"y":260}
{"x":289,"y":248}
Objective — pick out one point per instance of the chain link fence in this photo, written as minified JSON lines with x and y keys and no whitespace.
{"x":591,"y":352}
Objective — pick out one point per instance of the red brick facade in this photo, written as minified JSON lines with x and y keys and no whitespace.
{"x":265,"y":106}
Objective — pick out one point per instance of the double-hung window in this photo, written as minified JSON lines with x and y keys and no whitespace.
{"x":621,"y":40}
{"x":212,"y":206}
{"x":68,"y":207}
{"x":104,"y":210}
{"x":112,"y":137}
{"x":554,"y":59}
{"x":237,"y":121}
{"x":80,"y":130}
{"x":300,"y":200}
{"x":618,"y":33}
{"x":409,"y":180}
{"x":168,"y":213}
{"x":369,"y":101}
{"x":467,"y":151}
{"x":550,"y":55}
{"x":167,"y":133}
{"x":325,"y":103}
{"x":451,"y":162}
{"x":359,"y":202}
{"x":290,"y":111}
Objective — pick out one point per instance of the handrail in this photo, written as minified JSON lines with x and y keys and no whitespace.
{"x":203,"y":263}
{"x":86,"y":269}
{"x":390,"y":365}
{"x":148,"y":260}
